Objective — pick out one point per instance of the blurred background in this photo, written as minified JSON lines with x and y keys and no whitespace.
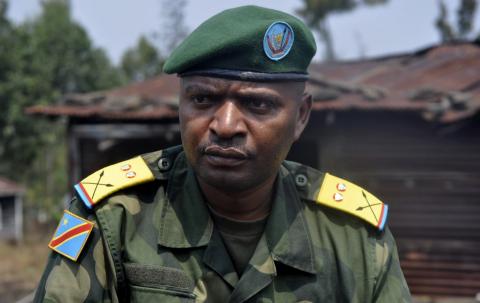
{"x":396,"y":85}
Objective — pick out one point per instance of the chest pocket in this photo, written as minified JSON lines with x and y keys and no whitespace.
{"x":152,"y":283}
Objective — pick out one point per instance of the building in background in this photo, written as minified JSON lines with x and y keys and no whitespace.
{"x":110,"y":126}
{"x":11,"y":210}
{"x":405,"y":127}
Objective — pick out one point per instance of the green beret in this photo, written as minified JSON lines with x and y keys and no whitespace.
{"x":246,"y":43}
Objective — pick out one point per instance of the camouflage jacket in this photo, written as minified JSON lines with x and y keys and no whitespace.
{"x":156,"y":242}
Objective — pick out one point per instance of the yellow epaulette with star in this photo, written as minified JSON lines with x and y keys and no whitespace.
{"x":350,"y":198}
{"x":111,"y":179}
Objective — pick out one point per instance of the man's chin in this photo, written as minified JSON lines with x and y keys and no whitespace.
{"x":227,"y":180}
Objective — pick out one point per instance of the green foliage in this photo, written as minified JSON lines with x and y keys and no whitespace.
{"x":464,"y":24}
{"x":41,"y":60}
{"x":142,"y":61}
{"x":442,"y":24}
{"x":146,"y":58}
{"x":466,"y":14}
{"x":316,"y":13}
{"x":172,"y":29}
{"x":63,"y":52}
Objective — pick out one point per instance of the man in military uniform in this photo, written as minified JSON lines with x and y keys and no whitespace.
{"x":224,"y":218}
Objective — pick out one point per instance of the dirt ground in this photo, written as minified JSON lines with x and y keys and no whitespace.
{"x":21,"y":264}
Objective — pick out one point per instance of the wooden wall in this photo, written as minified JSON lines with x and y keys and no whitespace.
{"x":428,"y":174}
{"x":95,"y":145}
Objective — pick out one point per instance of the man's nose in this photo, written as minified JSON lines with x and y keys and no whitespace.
{"x":228,"y":121}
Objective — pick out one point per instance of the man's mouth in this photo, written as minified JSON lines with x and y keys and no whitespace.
{"x":225,"y":156}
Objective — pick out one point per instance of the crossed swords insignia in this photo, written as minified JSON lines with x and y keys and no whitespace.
{"x":368,"y":205}
{"x":97,"y":184}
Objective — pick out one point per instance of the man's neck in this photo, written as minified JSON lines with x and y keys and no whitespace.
{"x":251,"y":204}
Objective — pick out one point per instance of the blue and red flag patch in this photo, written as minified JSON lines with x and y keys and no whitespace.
{"x":71,"y":235}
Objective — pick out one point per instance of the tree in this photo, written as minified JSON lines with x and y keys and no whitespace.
{"x":173,"y":29}
{"x":64,"y":52}
{"x":465,"y":16}
{"x":141,"y":62}
{"x":316,"y":13}
{"x":40,"y":60}
{"x":145,"y":60}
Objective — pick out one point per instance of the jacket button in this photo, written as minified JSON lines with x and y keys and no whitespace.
{"x":301,"y":180}
{"x":164,"y":164}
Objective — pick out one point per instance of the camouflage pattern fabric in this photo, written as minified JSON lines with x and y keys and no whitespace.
{"x":156,"y":242}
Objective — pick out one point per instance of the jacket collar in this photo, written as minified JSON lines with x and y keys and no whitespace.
{"x":186,"y":222}
{"x":286,"y":231}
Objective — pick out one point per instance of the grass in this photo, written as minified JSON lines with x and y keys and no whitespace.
{"x":22,"y":264}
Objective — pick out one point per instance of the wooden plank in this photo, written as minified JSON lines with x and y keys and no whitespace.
{"x":441,"y":275}
{"x":443,"y":291}
{"x":451,"y":266}
{"x":431,"y":182}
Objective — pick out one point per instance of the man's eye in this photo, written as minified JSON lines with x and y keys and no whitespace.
{"x":261,"y":105}
{"x":201,"y":100}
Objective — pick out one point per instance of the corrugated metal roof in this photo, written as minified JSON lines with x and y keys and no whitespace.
{"x":156,"y":98}
{"x":8,"y":187}
{"x":441,"y":83}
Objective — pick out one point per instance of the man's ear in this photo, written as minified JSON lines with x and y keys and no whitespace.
{"x":303,"y":114}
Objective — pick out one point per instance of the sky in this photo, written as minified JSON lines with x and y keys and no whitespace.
{"x":397,"y":27}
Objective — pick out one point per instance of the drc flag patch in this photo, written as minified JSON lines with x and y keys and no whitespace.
{"x":71,"y":235}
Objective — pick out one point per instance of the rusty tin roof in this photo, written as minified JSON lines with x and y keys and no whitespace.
{"x":8,"y":188}
{"x":442,"y":83}
{"x":151,"y":99}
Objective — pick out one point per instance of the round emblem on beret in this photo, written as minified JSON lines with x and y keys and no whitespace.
{"x":278,"y":40}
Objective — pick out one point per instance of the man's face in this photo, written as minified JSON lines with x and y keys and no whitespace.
{"x":235,"y":133}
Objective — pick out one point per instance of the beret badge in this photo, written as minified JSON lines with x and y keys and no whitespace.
{"x":278,"y":40}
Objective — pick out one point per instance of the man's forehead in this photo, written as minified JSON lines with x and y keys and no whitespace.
{"x":218,"y":82}
{"x":221,"y":83}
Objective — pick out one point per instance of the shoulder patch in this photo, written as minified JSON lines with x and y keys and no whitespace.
{"x":111,"y":179}
{"x":350,"y":198}
{"x":71,"y":235}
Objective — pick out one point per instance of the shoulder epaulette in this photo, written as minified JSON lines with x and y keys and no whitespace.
{"x":111,"y":179}
{"x":350,"y":198}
